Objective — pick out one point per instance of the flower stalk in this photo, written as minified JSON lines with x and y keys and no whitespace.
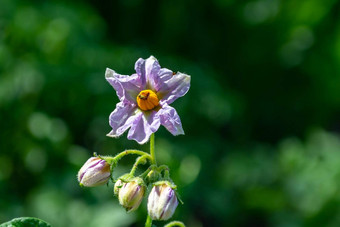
{"x":148,"y":222}
{"x":114,"y":160}
{"x":139,"y":160}
{"x":152,"y":149}
{"x":175,"y":223}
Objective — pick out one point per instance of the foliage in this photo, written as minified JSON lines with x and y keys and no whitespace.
{"x":25,"y":222}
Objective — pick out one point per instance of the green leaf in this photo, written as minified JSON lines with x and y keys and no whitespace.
{"x":25,"y":222}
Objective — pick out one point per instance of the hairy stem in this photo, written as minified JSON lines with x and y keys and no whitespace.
{"x":116,"y":158}
{"x":152,"y":149}
{"x":139,"y":160}
{"x":175,"y":223}
{"x":147,"y":171}
{"x":148,"y":222}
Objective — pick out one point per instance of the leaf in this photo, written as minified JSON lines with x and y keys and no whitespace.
{"x":25,"y":222}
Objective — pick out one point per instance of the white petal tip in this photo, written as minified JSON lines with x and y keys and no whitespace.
{"x":112,"y":135}
{"x":152,"y":58}
{"x":109,"y":73}
{"x":187,"y":78}
{"x":179,"y":133}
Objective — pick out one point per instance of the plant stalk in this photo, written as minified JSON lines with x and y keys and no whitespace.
{"x":152,"y":149}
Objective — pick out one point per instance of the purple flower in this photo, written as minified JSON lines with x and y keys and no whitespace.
{"x":145,"y":99}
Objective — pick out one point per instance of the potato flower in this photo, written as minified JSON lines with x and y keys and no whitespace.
{"x":145,"y":99}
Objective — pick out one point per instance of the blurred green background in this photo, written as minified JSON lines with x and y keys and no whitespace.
{"x":262,"y":145}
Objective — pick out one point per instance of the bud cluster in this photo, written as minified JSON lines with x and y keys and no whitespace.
{"x":130,"y":190}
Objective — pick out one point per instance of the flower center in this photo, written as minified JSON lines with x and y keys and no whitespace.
{"x":147,"y":100}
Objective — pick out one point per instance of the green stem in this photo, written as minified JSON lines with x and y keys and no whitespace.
{"x":140,"y":160}
{"x":163,"y":168}
{"x":143,"y":175}
{"x":166,"y":174}
{"x":116,"y":158}
{"x":152,"y":149}
{"x":148,"y":222}
{"x":175,"y":223}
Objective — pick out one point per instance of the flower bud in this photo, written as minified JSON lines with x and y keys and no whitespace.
{"x":94,"y":172}
{"x":162,"y":201}
{"x":130,"y":194}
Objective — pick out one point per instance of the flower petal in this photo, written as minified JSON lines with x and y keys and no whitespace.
{"x":143,"y":126}
{"x":122,"y":118}
{"x":170,"y":120}
{"x":127,"y":87}
{"x":173,"y":88}
{"x":159,"y":81}
{"x":152,"y":69}
{"x":148,"y":69}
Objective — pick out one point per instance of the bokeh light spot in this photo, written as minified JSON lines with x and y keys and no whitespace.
{"x":36,"y":160}
{"x":39,"y":125}
{"x":189,"y":169}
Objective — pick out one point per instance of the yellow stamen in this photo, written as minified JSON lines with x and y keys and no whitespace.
{"x":147,"y":100}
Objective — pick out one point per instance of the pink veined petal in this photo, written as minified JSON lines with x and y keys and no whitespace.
{"x":127,"y":87}
{"x":122,"y":118}
{"x":148,"y":69}
{"x":152,"y":69}
{"x":170,"y":120}
{"x":143,"y":126}
{"x":141,"y":71}
{"x":159,"y":81}
{"x":173,"y":88}
{"x":155,"y":76}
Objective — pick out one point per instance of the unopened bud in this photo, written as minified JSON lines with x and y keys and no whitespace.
{"x":162,"y":201}
{"x":94,"y":172}
{"x":130,"y":194}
